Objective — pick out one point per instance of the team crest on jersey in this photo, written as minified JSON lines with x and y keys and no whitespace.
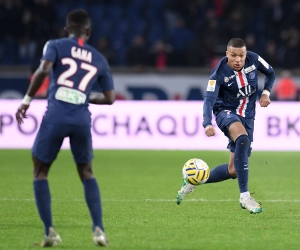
{"x":226,"y":79}
{"x":252,"y":75}
{"x":211,"y":85}
{"x":228,"y":113}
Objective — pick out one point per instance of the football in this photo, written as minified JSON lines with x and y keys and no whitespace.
{"x":195,"y":171}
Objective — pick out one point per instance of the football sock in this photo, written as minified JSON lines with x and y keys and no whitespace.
{"x":93,"y":200}
{"x":43,"y":202}
{"x":244,"y":195}
{"x":219,"y":173}
{"x":242,"y":144}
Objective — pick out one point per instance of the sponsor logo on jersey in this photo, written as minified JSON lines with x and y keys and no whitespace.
{"x":211,"y":85}
{"x":69,"y":95}
{"x":249,"y":69}
{"x":233,"y":76}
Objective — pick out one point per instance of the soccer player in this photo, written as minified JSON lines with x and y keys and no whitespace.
{"x":75,"y":68}
{"x":231,"y":95}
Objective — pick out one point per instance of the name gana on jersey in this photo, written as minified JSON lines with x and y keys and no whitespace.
{"x":81,"y":54}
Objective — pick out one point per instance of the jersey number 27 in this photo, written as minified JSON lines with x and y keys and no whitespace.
{"x":63,"y":78}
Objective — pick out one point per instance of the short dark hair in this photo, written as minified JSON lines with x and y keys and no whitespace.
{"x":236,"y":43}
{"x":78,"y":19}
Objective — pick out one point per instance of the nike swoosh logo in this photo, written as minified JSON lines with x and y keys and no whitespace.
{"x":229,"y":84}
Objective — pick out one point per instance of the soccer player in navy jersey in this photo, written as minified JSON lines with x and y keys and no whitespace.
{"x":231,"y":96}
{"x":75,"y":68}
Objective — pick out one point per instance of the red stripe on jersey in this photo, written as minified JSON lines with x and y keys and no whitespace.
{"x":241,"y":78}
{"x":80,"y":42}
{"x":244,"y":100}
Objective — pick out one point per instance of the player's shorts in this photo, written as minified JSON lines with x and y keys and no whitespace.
{"x":50,"y":138}
{"x":225,"y":118}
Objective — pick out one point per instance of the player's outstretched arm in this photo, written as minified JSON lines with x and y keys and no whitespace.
{"x":37,"y":80}
{"x":105,"y":97}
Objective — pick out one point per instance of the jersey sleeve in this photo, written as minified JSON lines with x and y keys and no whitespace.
{"x":268,"y":71}
{"x":105,"y":80}
{"x":210,"y":98}
{"x":49,"y":51}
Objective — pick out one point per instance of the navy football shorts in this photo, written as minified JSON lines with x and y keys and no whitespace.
{"x":50,"y":138}
{"x":225,"y":118}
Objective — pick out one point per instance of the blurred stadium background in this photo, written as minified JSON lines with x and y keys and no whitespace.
{"x":155,"y":40}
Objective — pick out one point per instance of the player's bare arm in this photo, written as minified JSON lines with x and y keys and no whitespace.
{"x":105,"y":97}
{"x":37,"y":80}
{"x":39,"y":76}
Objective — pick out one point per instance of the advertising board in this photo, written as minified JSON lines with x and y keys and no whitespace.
{"x":168,"y":125}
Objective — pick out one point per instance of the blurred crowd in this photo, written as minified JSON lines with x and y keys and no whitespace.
{"x":156,"y":33}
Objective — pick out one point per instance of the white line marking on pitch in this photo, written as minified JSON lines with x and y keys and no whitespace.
{"x":148,"y":200}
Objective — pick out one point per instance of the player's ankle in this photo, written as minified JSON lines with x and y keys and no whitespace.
{"x":244,"y":195}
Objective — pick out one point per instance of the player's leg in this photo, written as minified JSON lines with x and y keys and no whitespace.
{"x":93,"y":200}
{"x":242,"y":143}
{"x":81,"y":146}
{"x":91,"y":193}
{"x":221,"y":172}
{"x":239,"y":135}
{"x":224,"y":171}
{"x":231,"y":168}
{"x":43,"y":202}
{"x":44,"y":151}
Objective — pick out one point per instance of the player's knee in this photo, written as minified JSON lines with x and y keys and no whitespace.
{"x":85,"y":171}
{"x":231,"y":170}
{"x":40,"y":170}
{"x":243,"y":141}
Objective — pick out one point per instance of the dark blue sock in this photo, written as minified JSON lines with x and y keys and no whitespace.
{"x":43,"y":202}
{"x":93,"y":200}
{"x":242,"y":144}
{"x":219,"y":173}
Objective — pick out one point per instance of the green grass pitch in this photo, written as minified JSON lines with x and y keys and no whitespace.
{"x":138,"y":190}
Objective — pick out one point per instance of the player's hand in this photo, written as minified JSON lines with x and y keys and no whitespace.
{"x":210,"y":130}
{"x":264,"y":100}
{"x":21,"y":113}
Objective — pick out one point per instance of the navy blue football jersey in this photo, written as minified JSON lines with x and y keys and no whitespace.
{"x":236,"y":90}
{"x":77,"y":67}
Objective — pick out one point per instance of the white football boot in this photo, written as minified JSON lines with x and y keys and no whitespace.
{"x":186,"y":188}
{"x":99,"y":238}
{"x":251,"y":205}
{"x":52,"y":239}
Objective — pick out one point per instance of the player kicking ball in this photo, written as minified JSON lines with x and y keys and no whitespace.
{"x":231,"y":96}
